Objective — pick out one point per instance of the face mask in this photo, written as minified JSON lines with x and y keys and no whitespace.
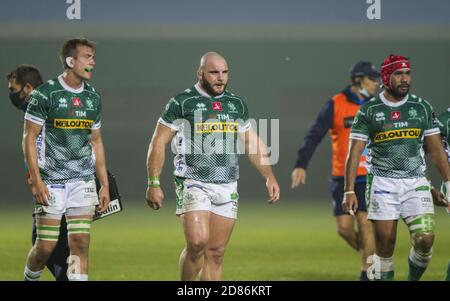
{"x":364,"y":92}
{"x":16,"y":100}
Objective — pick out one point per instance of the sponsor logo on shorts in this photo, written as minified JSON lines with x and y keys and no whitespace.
{"x":374,"y":205}
{"x":397,"y":134}
{"x":234,"y":207}
{"x":426,"y":201}
{"x":73,"y":124}
{"x":216,"y":127}
{"x":234,"y":196}
{"x":423,"y":188}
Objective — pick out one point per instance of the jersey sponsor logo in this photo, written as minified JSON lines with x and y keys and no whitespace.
{"x":397,"y":134}
{"x":76,"y":102}
{"x":62,"y":103}
{"x":380,"y":116}
{"x":201,"y":107}
{"x":216,"y":127}
{"x":73,"y":124}
{"x":348,"y":121}
{"x":89,"y":104}
{"x":401,"y":124}
{"x":231,"y":107}
{"x":217,"y":106}
{"x":222,"y":117}
{"x":412,"y":113}
{"x":396,"y":115}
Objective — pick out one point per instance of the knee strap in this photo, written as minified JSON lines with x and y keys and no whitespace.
{"x":46,"y":232}
{"x":420,"y":224}
{"x":79,"y":226}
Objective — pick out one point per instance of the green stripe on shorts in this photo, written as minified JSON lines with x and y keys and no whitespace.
{"x":179,"y":188}
{"x":369,"y":183}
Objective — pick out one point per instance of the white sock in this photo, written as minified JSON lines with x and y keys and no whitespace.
{"x":30,"y":275}
{"x":420,"y":259}
{"x":77,"y":277}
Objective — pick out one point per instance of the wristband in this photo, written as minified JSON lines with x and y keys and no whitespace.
{"x":153,"y":182}
{"x":349,"y":192}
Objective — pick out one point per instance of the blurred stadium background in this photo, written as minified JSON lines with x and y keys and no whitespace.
{"x":286,"y":59}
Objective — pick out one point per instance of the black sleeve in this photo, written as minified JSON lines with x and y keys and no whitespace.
{"x":318,"y":130}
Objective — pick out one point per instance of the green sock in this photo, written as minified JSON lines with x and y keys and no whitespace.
{"x":448,"y":272}
{"x":415,"y":272}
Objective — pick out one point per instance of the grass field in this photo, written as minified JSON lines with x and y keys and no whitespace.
{"x":287,"y":241}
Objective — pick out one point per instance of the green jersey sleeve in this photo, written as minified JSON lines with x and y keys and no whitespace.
{"x":432,"y":126}
{"x":38,"y":107}
{"x":171,"y":113}
{"x":360,"y":126}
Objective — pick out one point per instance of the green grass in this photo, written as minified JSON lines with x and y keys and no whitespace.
{"x":287,"y":241}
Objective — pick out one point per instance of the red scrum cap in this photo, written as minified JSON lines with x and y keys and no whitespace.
{"x":391,"y":64}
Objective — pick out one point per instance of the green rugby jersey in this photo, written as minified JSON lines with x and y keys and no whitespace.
{"x":67,"y":116}
{"x":207,"y":134}
{"x":395,"y":134}
{"x":444,"y":126}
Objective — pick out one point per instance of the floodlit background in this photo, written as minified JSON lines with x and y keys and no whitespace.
{"x":286,"y":59}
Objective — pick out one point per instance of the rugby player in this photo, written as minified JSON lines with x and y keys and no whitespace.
{"x":63,"y":148}
{"x":396,"y":125}
{"x":206,"y":169}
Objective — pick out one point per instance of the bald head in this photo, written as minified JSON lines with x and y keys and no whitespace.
{"x":211,"y":58}
{"x":213,"y":73}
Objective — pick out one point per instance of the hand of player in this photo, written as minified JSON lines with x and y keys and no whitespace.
{"x":350,"y":204}
{"x":103,"y":199}
{"x":298,"y":177}
{"x":40,"y":192}
{"x":273,"y":189}
{"x":438,"y":198}
{"x":154,"y":197}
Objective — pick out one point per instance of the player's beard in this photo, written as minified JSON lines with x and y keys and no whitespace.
{"x":395,"y":91}
{"x":209,"y":88}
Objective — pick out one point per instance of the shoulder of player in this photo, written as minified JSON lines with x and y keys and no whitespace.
{"x":371,"y":103}
{"x":90,"y":89}
{"x":419,"y":100}
{"x":187,"y":94}
{"x":44,"y":90}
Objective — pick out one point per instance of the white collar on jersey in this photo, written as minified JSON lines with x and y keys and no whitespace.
{"x":393,"y":104}
{"x":66,"y":87}
{"x":203,"y":92}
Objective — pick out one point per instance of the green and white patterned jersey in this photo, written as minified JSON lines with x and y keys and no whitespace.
{"x":444,"y":126}
{"x":67,"y":116}
{"x":395,"y":134}
{"x":207,"y":128}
